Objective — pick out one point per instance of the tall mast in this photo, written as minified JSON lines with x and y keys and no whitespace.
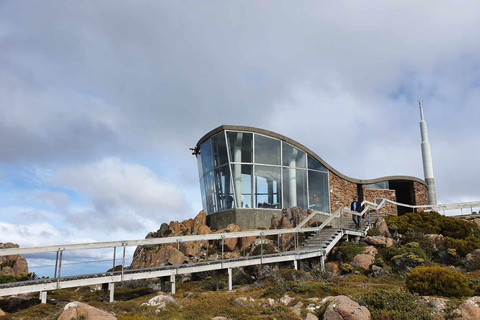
{"x":427,"y":159}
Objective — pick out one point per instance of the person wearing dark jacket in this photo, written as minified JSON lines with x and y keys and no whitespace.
{"x":357,"y":207}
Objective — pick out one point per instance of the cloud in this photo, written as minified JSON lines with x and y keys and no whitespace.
{"x":123,"y":195}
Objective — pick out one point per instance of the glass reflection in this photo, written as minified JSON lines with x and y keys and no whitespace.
{"x":206,"y":152}
{"x":223,"y":187}
{"x":242,"y":181}
{"x":292,"y":157}
{"x":219,"y":150}
{"x":240,"y":146}
{"x":318,"y":191}
{"x":267,"y":187}
{"x":294,"y":188}
{"x":315,"y":165}
{"x":210,"y":196}
{"x":267,"y":151}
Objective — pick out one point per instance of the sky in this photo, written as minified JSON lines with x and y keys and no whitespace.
{"x":100,"y":101}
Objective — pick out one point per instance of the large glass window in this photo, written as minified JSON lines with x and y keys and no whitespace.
{"x":210,"y":197}
{"x":219,"y":150}
{"x":315,"y":165}
{"x":223,"y":188}
{"x":294,"y":188}
{"x":243,"y":182}
{"x":318,"y":191}
{"x":267,"y":151}
{"x":268,"y":187}
{"x":206,"y":152}
{"x":240,"y":146}
{"x":292,"y":157}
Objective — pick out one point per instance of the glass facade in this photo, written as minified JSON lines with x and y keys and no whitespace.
{"x":250,"y":170}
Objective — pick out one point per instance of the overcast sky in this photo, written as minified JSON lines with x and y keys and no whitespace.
{"x":100,"y":101}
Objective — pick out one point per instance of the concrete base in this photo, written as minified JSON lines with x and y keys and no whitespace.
{"x":245,"y":218}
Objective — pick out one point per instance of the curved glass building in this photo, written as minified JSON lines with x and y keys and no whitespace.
{"x":247,"y":174}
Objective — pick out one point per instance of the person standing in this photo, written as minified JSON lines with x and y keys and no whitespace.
{"x":357,"y":207}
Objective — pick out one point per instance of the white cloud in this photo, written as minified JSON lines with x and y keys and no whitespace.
{"x":123,"y":195}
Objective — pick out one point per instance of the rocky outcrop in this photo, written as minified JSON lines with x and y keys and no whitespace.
{"x":382,"y":226}
{"x":231,"y":243}
{"x":438,"y":305}
{"x":437,"y":240}
{"x":13,"y":265}
{"x":366,"y":259}
{"x":77,"y":310}
{"x":379,"y":241}
{"x":343,"y":308}
{"x":475,"y":254}
{"x":468,"y":310}
{"x":333,"y":267}
{"x":160,"y":301}
{"x":167,"y":255}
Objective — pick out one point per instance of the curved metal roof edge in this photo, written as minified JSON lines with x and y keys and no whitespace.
{"x":307,"y":150}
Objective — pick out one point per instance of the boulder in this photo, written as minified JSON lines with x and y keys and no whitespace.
{"x":199,"y":220}
{"x":175,"y":228}
{"x":13,"y":265}
{"x":363,"y":261}
{"x":186,"y":227}
{"x":378,"y":271}
{"x":204,"y":230}
{"x":333,"y":267}
{"x":287,"y":214}
{"x":164,"y":230}
{"x":473,"y":255}
{"x":311,"y":316}
{"x":275,"y":222}
{"x":76,"y":310}
{"x":160,"y":301}
{"x":219,"y":318}
{"x":437,"y":239}
{"x":382,"y":226}
{"x":245,"y":242}
{"x":438,"y":305}
{"x":167,"y":255}
{"x":2,"y":314}
{"x":285,"y":300}
{"x":343,"y":308}
{"x":468,"y":310}
{"x":231,"y":243}
{"x":377,"y":241}
{"x":366,"y":259}
{"x":298,"y":215}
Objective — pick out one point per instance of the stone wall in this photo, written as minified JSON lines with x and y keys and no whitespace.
{"x":371,"y":194}
{"x":342,"y":192}
{"x":420,"y":196}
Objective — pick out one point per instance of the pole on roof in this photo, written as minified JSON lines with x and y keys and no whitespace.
{"x":427,"y":159}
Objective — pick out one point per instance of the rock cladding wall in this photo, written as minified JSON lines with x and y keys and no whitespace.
{"x":12,"y":265}
{"x":342,"y":192}
{"x":420,"y":195}
{"x":371,"y":194}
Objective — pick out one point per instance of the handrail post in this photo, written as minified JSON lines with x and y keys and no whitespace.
{"x":124,"y":244}
{"x":223,"y":243}
{"x":114,"y":258}
{"x":178,"y":253}
{"x":261,"y":248}
{"x":60,"y":266}
{"x":56,"y":266}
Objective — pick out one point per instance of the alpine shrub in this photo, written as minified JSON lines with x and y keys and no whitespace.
{"x":394,"y":305}
{"x":348,"y":250}
{"x":437,"y":281}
